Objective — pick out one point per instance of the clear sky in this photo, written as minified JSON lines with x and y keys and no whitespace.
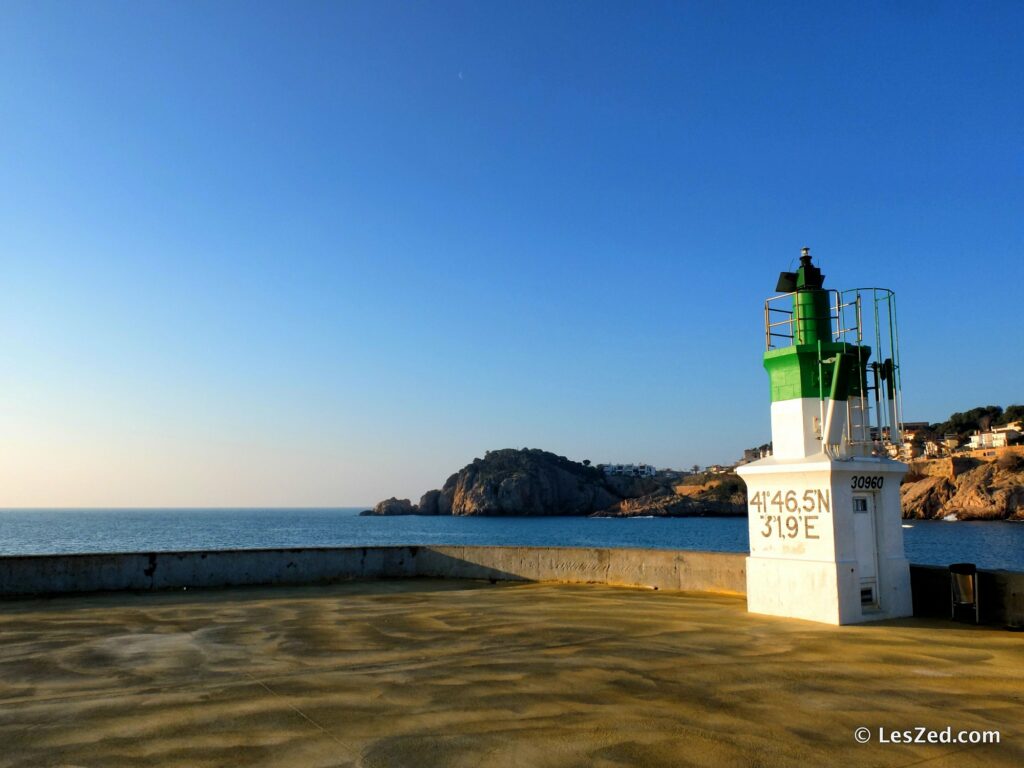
{"x":302,"y":253}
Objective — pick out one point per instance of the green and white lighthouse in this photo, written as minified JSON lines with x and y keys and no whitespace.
{"x":826,"y":541}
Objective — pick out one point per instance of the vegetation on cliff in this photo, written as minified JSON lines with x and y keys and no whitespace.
{"x":978,"y":419}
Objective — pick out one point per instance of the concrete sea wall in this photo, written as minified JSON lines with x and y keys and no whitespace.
{"x":1001,"y":593}
{"x":656,"y":569}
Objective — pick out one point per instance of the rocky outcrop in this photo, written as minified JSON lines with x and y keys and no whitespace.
{"x":394,"y":506}
{"x":428,"y":503}
{"x":513,"y":482}
{"x":723,"y":495}
{"x":987,"y":491}
{"x":925,"y":499}
{"x":532,"y":482}
{"x":628,"y":487}
{"x":526,"y":482}
{"x":652,"y":505}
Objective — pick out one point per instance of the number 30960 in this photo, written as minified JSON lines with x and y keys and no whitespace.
{"x":871,"y":482}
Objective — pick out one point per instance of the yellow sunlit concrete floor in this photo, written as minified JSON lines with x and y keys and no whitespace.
{"x":451,"y":673}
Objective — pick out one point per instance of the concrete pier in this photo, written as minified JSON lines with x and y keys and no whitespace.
{"x":1002,"y":592}
{"x":458,"y":674}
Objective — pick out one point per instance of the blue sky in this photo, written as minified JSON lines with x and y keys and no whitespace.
{"x":323,"y":253}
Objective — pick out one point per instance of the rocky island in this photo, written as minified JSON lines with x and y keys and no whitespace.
{"x":531,"y":482}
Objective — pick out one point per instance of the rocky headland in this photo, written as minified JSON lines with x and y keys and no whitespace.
{"x":965,"y":489}
{"x":532,"y":482}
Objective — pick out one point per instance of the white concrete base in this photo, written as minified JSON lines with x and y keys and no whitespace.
{"x":771,"y":582}
{"x":826,"y":539}
{"x":828,"y":592}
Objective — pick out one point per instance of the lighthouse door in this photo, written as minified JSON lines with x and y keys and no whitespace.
{"x":867,"y":549}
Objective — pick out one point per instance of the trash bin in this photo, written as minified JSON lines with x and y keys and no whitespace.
{"x":963,"y":585}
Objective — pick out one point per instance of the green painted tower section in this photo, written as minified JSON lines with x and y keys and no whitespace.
{"x":813,"y":365}
{"x":812,"y":320}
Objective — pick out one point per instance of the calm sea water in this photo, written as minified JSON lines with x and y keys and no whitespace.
{"x":988,"y":544}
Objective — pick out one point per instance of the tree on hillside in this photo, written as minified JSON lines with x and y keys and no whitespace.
{"x":962,"y":424}
{"x":1011,"y":414}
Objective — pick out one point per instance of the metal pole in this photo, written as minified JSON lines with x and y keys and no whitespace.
{"x":865,"y":413}
{"x":895,"y":333}
{"x":767,"y":328}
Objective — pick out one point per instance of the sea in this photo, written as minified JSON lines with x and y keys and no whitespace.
{"x":52,"y":531}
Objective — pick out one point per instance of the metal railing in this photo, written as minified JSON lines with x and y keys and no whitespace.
{"x":791,"y":324}
{"x":882,"y":379}
{"x":875,"y":417}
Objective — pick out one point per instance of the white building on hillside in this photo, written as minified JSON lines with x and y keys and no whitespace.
{"x":630,"y":470}
{"x":997,"y":438}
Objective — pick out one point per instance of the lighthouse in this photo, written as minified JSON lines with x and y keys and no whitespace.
{"x":825,"y":523}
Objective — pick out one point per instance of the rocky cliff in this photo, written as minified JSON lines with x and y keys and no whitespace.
{"x":984,"y":491}
{"x":532,"y":482}
{"x":701,"y":496}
